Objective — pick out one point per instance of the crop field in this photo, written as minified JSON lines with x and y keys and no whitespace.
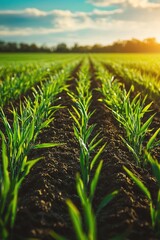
{"x":79,"y":146}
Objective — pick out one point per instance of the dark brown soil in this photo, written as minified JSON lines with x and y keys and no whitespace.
{"x":42,"y":206}
{"x":42,"y":197}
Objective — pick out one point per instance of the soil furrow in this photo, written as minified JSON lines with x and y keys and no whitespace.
{"x":44,"y":192}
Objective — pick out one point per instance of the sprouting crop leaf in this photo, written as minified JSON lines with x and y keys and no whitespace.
{"x":105,"y":201}
{"x":47,"y":145}
{"x":56,"y":236}
{"x":97,"y":156}
{"x":138,"y":183}
{"x":151,"y":142}
{"x":94,"y":181}
{"x":76,"y":220}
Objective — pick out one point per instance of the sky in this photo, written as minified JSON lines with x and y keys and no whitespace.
{"x":85,"y":22}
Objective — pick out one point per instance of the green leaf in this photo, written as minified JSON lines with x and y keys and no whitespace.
{"x":90,"y":221}
{"x":76,"y":220}
{"x":6,"y":179}
{"x":129,"y":93}
{"x":145,"y":126}
{"x":95,"y":180}
{"x":46,"y":123}
{"x":47,"y":145}
{"x":14,"y":203}
{"x":29,"y":164}
{"x":106,"y":200}
{"x":152,"y":139}
{"x":56,"y":236}
{"x":73,"y":97}
{"x":31,"y":131}
{"x":75,"y":120}
{"x":76,"y":111}
{"x":139,"y":183}
{"x":145,"y":109}
{"x":153,"y":214}
{"x":92,"y":143}
{"x":97,"y":156}
{"x":4,"y":234}
{"x":88,"y":132}
{"x":81,"y":189}
{"x":155,"y":167}
{"x":76,"y":132}
{"x":131,"y":149}
{"x":157,"y":220}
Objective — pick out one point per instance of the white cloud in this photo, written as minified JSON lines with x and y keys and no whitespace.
{"x":132,"y":3}
{"x":105,"y":3}
{"x":127,"y":21}
{"x":106,"y":13}
{"x":57,"y":20}
{"x":6,"y":31}
{"x":27,"y":11}
{"x":34,"y":12}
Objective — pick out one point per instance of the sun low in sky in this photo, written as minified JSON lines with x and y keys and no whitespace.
{"x":78,"y":21}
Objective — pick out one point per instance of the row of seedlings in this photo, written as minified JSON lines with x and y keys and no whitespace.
{"x":18,"y":79}
{"x":33,"y":115}
{"x":144,"y":67}
{"x":85,"y":223}
{"x":133,"y":75}
{"x":130,"y":114}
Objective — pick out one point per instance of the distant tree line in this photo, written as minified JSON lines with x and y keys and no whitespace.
{"x":22,"y":47}
{"x":128,"y":46}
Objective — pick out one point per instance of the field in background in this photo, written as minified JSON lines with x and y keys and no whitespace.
{"x":14,"y":57}
{"x":31,"y":57}
{"x":97,"y":115}
{"x":45,"y":57}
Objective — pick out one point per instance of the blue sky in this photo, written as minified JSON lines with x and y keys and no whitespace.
{"x":47,"y":5}
{"x":78,"y":21}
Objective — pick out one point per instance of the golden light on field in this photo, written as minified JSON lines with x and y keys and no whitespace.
{"x":158,"y":39}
